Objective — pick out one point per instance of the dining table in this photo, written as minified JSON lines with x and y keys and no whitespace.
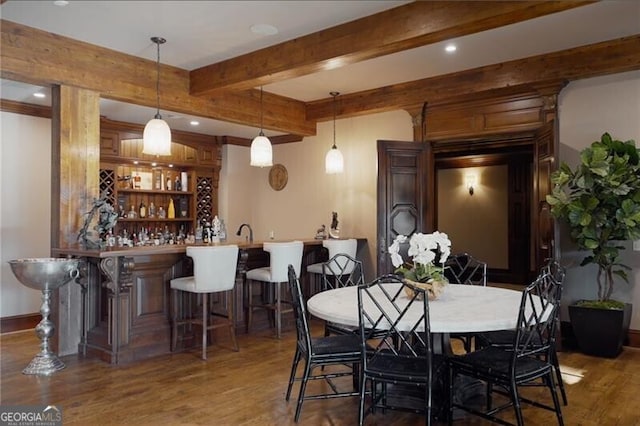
{"x":460,"y":309}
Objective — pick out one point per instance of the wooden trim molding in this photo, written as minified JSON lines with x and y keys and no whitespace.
{"x":25,"y":108}
{"x":19,"y":322}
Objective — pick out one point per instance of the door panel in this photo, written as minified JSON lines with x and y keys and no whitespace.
{"x":402,"y":194}
{"x":543,"y":224}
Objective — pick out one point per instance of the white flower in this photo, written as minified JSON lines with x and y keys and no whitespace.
{"x":423,"y":248}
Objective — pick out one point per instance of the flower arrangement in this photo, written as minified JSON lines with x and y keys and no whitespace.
{"x":428,"y":253}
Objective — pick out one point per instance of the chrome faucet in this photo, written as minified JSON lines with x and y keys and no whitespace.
{"x":250,"y":231}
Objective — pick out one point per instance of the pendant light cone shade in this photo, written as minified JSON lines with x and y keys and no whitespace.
{"x":261,"y":151}
{"x":334,"y":161}
{"x":156,"y":137}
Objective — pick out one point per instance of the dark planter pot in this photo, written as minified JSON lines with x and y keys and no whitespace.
{"x":600,"y":332}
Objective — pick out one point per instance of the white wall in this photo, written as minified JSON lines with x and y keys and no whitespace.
{"x":310,"y":196}
{"x":25,"y":204}
{"x":587,"y":109}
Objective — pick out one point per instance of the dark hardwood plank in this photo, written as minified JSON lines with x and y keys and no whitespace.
{"x":248,"y":388}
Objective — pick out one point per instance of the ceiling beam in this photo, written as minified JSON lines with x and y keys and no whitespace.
{"x":46,"y":59}
{"x":610,"y":57}
{"x":405,"y":27}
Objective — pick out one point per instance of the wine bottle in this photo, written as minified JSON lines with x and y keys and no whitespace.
{"x":142,"y":210}
{"x":171,"y":211}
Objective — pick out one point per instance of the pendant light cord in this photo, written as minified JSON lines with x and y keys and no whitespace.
{"x":334,"y":94}
{"x":261,"y":113}
{"x":158,"y":41}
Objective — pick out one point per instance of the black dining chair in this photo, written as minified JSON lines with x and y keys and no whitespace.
{"x":342,"y":270}
{"x":335,"y":350}
{"x":462,"y":268}
{"x":397,"y":354}
{"x":552,"y":270}
{"x":527,"y":361}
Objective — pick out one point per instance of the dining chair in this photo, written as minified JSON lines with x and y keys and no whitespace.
{"x":551,"y":270}
{"x":342,"y":270}
{"x":281,"y":255}
{"x":397,"y":352}
{"x":335,"y":350}
{"x":214,"y":270}
{"x":462,"y":268}
{"x":526,"y":362}
{"x":333,"y":246}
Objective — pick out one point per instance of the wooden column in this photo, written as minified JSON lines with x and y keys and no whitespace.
{"x":75,"y":163}
{"x":75,"y":156}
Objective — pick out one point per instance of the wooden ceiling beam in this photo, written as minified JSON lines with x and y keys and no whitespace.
{"x":401,"y":28}
{"x":43,"y":58}
{"x":610,"y":57}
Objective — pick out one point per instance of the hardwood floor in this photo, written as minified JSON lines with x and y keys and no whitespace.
{"x":248,"y":388}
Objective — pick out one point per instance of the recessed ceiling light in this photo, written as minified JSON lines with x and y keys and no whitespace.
{"x":264,"y":29}
{"x":135,"y":162}
{"x":450,"y":48}
{"x":170,"y":165}
{"x":194,"y":122}
{"x":61,"y":3}
{"x":39,"y":95}
{"x":154,"y":164}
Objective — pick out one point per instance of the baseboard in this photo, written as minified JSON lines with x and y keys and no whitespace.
{"x":19,"y":322}
{"x":569,"y":341}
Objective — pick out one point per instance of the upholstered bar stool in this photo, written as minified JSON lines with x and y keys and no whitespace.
{"x":281,"y":256}
{"x":214,"y":270}
{"x":348,"y":247}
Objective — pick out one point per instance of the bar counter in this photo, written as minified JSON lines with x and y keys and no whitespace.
{"x":125,"y":312}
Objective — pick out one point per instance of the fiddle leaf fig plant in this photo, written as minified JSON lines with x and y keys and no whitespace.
{"x":600,"y":202}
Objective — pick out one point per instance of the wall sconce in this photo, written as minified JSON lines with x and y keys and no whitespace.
{"x":470,"y":180}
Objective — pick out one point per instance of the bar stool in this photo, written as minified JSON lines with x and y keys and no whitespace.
{"x":214,"y":270}
{"x":348,"y":247}
{"x":281,"y":256}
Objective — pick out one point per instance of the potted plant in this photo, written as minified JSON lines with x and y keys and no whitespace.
{"x":428,"y":253}
{"x":600,"y":202}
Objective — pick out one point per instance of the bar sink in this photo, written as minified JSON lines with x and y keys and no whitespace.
{"x":46,"y":275}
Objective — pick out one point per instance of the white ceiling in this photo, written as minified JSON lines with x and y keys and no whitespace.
{"x":199,"y":33}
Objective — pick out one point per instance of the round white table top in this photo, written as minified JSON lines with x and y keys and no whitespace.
{"x":462,"y":308}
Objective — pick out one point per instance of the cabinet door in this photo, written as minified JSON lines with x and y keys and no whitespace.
{"x":109,"y":143}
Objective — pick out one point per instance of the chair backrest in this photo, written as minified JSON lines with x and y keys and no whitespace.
{"x":281,"y":256}
{"x":214,"y":267}
{"x":555,"y":270}
{"x":394,"y":324}
{"x":463,"y":268}
{"x":349,"y":246}
{"x":342,"y":270}
{"x":537,"y":318}
{"x":299,"y":312}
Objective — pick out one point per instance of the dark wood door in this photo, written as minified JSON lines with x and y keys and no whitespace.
{"x":405,"y":180}
{"x":543,"y":224}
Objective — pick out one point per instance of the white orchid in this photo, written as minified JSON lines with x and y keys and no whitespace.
{"x":423,"y":249}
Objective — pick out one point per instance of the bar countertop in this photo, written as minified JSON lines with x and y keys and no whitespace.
{"x":76,"y":250}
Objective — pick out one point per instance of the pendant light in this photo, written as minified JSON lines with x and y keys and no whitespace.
{"x":157,"y":134}
{"x":334,"y":161}
{"x":261,"y":152}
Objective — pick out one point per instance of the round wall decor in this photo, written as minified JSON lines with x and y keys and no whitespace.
{"x":278,"y":177}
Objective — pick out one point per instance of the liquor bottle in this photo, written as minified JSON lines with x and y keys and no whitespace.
{"x":132,"y":213}
{"x":152,"y":210}
{"x":177,"y":186}
{"x":137,"y":181}
{"x":142,"y":210}
{"x":168,"y":182}
{"x":161,"y":212}
{"x":171,"y":211}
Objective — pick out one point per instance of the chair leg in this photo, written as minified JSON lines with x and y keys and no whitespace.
{"x":292,"y":376}
{"x":303,"y":387}
{"x":174,"y":318}
{"x":205,"y":314}
{"x":515,"y":399}
{"x":554,"y":395}
{"x":363,"y":384}
{"x":249,"y":307}
{"x":556,"y":367}
{"x":278,"y":312}
{"x":230,"y":312}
